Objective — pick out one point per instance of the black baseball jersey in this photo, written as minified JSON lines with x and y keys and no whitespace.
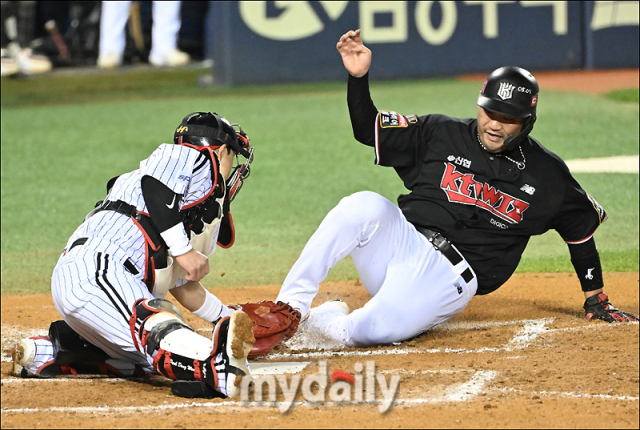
{"x":482,"y":202}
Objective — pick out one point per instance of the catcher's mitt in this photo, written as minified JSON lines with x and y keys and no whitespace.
{"x":272,"y":322}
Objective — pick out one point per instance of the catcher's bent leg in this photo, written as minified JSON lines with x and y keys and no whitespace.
{"x":31,"y":355}
{"x":183,"y":355}
{"x":65,"y":352}
{"x":232,"y":341}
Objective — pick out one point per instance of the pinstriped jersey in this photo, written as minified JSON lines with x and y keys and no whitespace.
{"x":184,"y":170}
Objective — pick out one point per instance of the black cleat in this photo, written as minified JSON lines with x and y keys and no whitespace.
{"x":195,"y":390}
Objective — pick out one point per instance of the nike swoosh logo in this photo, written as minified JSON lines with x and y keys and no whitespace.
{"x":172,"y":202}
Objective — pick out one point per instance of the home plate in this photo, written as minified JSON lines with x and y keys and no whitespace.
{"x":278,"y":368}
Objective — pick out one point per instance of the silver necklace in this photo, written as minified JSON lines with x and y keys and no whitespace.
{"x":520,"y":164}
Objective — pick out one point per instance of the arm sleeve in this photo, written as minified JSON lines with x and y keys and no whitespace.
{"x":579,"y":214}
{"x":577,"y":220}
{"x":395,"y":137}
{"x":362,"y":111}
{"x":164,"y":209}
{"x":586,"y":262}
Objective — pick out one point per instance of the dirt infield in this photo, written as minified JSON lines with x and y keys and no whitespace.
{"x":521,"y":357}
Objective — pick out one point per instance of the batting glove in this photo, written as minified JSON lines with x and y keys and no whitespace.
{"x":598,"y":307}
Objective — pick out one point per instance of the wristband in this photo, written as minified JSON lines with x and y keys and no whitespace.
{"x":212,"y":309}
{"x":177,"y":240}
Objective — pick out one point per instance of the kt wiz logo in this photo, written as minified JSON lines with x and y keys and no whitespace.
{"x":463,"y":188}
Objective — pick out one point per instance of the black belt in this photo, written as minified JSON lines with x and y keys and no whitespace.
{"x":441,"y":243}
{"x":127,"y":264}
{"x":120,"y":207}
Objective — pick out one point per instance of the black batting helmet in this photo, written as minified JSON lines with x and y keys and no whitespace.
{"x":210,"y":130}
{"x":511,"y":91}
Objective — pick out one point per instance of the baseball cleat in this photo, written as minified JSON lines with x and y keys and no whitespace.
{"x":331,"y":307}
{"x":9,"y":65}
{"x":109,"y":60}
{"x":32,"y":64}
{"x":239,"y":342}
{"x":323,"y":319}
{"x":172,"y":58}
{"x":195,"y":390}
{"x":24,"y":353}
{"x":232,"y":341}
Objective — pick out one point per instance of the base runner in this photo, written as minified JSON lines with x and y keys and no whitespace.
{"x":479,"y":189}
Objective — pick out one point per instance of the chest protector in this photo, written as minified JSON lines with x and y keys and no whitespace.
{"x":202,"y":222}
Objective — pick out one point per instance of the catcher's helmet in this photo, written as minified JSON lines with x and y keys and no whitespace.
{"x":511,"y":91}
{"x":211,"y":130}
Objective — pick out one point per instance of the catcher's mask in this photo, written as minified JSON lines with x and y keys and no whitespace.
{"x":206,"y":129}
{"x":200,"y":130}
{"x":511,"y":91}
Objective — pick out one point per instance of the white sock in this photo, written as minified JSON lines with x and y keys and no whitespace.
{"x":212,"y":309}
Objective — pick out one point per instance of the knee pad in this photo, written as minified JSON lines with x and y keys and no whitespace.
{"x":178,"y":352}
{"x":152,"y":320}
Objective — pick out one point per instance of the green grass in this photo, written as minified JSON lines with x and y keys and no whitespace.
{"x":64,"y":137}
{"x":616,"y":238}
{"x":130,"y":83}
{"x":629,"y":95}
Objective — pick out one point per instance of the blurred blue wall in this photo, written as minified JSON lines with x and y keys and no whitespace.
{"x":256,"y":42}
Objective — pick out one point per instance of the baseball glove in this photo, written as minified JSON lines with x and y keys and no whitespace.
{"x":272,"y":323}
{"x":598,"y":307}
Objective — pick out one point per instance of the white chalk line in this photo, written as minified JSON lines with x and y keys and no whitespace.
{"x":463,"y":325}
{"x":278,"y":368}
{"x":474,"y":386}
{"x":593,"y":326}
{"x":423,"y":372}
{"x":76,"y":379}
{"x":474,"y":325}
{"x":455,"y":393}
{"x":571,"y":394}
{"x":92,"y":378}
{"x":530,"y":331}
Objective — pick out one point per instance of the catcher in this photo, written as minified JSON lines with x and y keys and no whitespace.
{"x":153,"y":233}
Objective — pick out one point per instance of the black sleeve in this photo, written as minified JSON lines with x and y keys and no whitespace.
{"x":162,"y":203}
{"x":579,"y":214}
{"x":586,"y":262}
{"x":394,"y":136}
{"x":362,"y":111}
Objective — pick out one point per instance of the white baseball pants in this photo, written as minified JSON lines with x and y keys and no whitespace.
{"x":164,"y":32}
{"x":413,"y":286}
{"x":94,"y":293}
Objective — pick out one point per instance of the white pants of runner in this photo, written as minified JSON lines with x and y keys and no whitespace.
{"x":94,"y":294}
{"x":164,"y":32}
{"x":413,"y":286}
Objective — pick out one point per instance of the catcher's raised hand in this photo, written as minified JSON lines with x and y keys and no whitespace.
{"x":355,"y":56}
{"x":598,"y":307}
